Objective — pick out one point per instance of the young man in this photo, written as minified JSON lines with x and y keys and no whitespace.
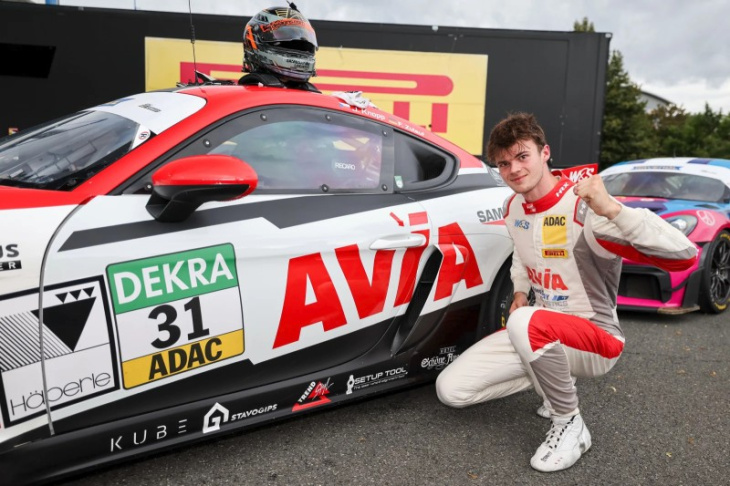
{"x":569,"y":240}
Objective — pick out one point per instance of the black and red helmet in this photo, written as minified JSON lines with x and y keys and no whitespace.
{"x":279,"y":40}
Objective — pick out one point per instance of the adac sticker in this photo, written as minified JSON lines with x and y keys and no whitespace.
{"x":176,"y":312}
{"x":79,"y":357}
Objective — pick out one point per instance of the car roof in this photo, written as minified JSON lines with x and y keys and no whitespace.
{"x":227,"y":99}
{"x":715,"y":168}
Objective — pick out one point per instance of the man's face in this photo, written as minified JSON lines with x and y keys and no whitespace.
{"x":523,"y":166}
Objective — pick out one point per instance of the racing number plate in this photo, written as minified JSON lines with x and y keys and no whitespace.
{"x":176,"y":312}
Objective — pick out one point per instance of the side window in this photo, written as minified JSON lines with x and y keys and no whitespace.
{"x":293,"y":154}
{"x":419,"y":165}
{"x":298,"y":150}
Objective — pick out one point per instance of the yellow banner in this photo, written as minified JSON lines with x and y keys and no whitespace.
{"x":445,"y":93}
{"x":181,"y":359}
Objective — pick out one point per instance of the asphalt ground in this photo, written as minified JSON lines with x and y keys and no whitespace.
{"x":661,"y":416}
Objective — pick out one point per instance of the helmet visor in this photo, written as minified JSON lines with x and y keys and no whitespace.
{"x":285,"y":30}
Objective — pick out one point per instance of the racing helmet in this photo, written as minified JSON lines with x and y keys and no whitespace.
{"x":279,"y":40}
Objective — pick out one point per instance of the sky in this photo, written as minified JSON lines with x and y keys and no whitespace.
{"x":671,"y":48}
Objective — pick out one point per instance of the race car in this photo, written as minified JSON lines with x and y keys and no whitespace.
{"x":181,"y":264}
{"x":694,"y":196}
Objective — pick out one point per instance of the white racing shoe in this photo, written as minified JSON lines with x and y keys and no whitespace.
{"x":543,"y":411}
{"x":567,"y":439}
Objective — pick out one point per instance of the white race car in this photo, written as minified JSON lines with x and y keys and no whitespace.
{"x":186,"y":263}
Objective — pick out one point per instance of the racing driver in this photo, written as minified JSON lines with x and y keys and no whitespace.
{"x":569,"y":239}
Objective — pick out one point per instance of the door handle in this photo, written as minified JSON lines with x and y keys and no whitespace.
{"x":399,"y":241}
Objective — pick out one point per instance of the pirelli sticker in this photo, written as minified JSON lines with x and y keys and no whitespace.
{"x":176,"y":312}
{"x":554,"y":253}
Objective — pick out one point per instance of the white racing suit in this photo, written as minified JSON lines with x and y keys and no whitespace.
{"x":571,"y":259}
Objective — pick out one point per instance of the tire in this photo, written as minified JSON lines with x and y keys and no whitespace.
{"x":500,"y":300}
{"x":715,"y":286}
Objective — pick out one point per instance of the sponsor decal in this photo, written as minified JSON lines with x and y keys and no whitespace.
{"x":11,"y":265}
{"x":13,"y":130}
{"x":147,"y":435}
{"x":311,"y":297}
{"x":554,"y":230}
{"x":561,"y":190}
{"x":10,"y":251}
{"x":148,"y":106}
{"x":446,"y":356}
{"x":215,"y":417}
{"x":314,"y":396}
{"x":344,"y":166}
{"x":706,"y":217}
{"x":360,"y":382}
{"x":522,"y":223}
{"x":489,"y":215}
{"x":554,"y":253}
{"x":657,"y":167}
{"x":444,"y":92}
{"x":546,"y":279}
{"x":79,"y":357}
{"x":552,"y":301}
{"x":219,"y":415}
{"x":580,"y":172}
{"x":176,"y":312}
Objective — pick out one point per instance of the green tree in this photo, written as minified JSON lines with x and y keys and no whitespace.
{"x":627,"y":130}
{"x":669,"y":123}
{"x":583,"y":26}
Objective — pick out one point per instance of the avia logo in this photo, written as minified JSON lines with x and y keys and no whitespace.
{"x":314,"y":396}
{"x":522,"y":223}
{"x":554,"y":221}
{"x":312,"y":298}
{"x":546,"y":279}
{"x":489,"y":215}
{"x":216,"y":416}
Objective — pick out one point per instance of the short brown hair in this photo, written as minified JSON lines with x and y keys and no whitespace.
{"x":514,"y":128}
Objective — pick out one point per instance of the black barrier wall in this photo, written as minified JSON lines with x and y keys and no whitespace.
{"x":56,"y":60}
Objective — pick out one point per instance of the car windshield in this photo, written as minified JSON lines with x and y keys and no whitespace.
{"x":66,"y":152}
{"x":668,"y":185}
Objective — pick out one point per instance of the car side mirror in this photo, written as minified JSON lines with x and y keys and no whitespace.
{"x":182,"y":185}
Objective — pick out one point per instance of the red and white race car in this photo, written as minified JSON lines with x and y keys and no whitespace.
{"x":186,"y":263}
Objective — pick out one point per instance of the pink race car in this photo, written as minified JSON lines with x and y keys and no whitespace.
{"x":694,"y":196}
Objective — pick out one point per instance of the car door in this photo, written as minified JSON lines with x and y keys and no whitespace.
{"x":304,"y":274}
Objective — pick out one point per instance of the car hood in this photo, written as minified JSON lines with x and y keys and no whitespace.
{"x":29,"y":219}
{"x":663,"y":206}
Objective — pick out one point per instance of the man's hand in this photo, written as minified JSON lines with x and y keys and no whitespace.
{"x":594,"y":193}
{"x":519,"y":301}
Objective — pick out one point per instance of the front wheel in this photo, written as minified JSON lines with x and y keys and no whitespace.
{"x":715,"y":287}
{"x":500,"y":300}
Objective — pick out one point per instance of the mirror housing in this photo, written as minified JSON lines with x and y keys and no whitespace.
{"x":182,"y":185}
